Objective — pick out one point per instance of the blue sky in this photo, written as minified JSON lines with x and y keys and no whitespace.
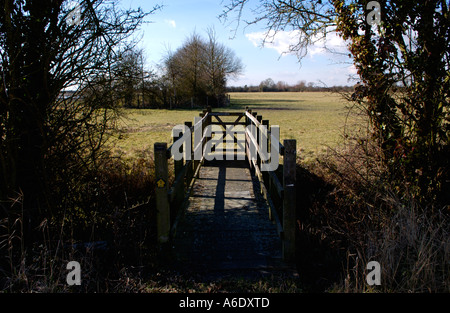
{"x":178,"y":19}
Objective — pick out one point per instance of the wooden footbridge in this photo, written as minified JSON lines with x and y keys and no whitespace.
{"x":226,"y":207}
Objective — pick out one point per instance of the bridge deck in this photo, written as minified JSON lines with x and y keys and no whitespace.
{"x":226,"y":224}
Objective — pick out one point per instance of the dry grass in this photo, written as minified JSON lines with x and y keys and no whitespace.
{"x":413,"y":246}
{"x":355,"y":216}
{"x":109,"y":229}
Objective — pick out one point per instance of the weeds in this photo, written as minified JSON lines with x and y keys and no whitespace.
{"x":108,"y":227}
{"x":354,"y":215}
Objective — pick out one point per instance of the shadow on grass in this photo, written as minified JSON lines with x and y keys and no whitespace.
{"x":266,"y":104}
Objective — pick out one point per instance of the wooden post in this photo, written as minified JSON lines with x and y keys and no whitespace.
{"x":209,"y":118}
{"x":247,"y":142}
{"x":269,"y":179}
{"x":190,"y":169}
{"x":197,"y":157}
{"x":178,"y":165}
{"x":267,"y":140}
{"x":204,"y":124}
{"x":258,"y":140}
{"x":162,"y":200}
{"x":289,"y":199}
{"x":208,"y":123}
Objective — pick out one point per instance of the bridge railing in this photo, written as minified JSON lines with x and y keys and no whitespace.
{"x":170,"y":199}
{"x":277,"y":186}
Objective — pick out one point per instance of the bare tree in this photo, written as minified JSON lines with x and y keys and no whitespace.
{"x":220,"y":64}
{"x":267,"y":85}
{"x":54,"y":117}
{"x":171,"y":69}
{"x":128,"y":75}
{"x":192,"y":55}
{"x":200,"y":68}
{"x":312,"y":20}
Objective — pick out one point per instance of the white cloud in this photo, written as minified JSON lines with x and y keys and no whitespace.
{"x":283,"y":41}
{"x":331,"y":44}
{"x":172,"y":23}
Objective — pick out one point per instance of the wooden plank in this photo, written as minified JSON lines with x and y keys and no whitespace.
{"x":254,"y":140}
{"x":227,"y":123}
{"x":276,"y":183}
{"x":273,"y":212}
{"x":237,"y":121}
{"x":197,"y":142}
{"x":247,"y":143}
{"x":218,"y":119}
{"x":222,"y":131}
{"x":258,"y":139}
{"x":189,"y":163}
{"x":226,"y":114}
{"x":251,"y":140}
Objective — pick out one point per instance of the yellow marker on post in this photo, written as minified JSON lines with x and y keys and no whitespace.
{"x":161,"y":183}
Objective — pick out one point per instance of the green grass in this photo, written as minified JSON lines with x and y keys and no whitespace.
{"x":140,"y":129}
{"x":315,"y":119}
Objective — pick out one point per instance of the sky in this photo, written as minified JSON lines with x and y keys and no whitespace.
{"x":169,"y":27}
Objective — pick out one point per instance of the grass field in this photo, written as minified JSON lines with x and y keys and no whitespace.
{"x":315,"y":119}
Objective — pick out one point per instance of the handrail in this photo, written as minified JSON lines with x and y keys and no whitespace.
{"x":278,"y":186}
{"x":279,"y":192}
{"x":226,"y":114}
{"x":253,"y":119}
{"x":271,"y":186}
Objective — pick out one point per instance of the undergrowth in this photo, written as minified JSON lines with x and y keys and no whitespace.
{"x":347,"y":211}
{"x":350,"y":215}
{"x":108,"y":226}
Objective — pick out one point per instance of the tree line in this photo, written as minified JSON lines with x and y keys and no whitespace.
{"x":269,"y":85}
